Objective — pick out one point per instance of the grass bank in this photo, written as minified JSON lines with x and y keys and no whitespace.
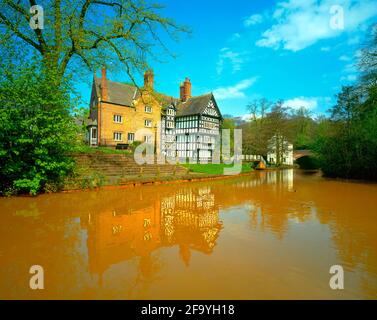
{"x":217,"y":169}
{"x":85,"y":149}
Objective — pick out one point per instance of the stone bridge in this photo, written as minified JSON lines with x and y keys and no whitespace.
{"x":302,"y":153}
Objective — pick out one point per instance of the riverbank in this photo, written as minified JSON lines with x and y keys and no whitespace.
{"x":98,"y":169}
{"x":191,"y":177}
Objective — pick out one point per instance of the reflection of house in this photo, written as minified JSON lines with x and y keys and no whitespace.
{"x":188,"y":219}
{"x":280,"y":151}
{"x":114,"y":236}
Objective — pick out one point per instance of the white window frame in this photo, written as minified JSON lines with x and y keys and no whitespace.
{"x":118,"y":118}
{"x":148,"y":109}
{"x":93,"y":133}
{"x":132,"y":135}
{"x":146,"y":121}
{"x":116,"y":134}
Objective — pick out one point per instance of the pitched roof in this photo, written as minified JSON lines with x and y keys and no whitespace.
{"x":124,"y":94}
{"x":194,"y":105}
{"x":117,"y":92}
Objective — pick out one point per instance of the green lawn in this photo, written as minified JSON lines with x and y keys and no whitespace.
{"x":211,"y":168}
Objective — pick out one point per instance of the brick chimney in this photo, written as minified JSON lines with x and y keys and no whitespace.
{"x":185,"y":90}
{"x":181,"y":91}
{"x":148,"y":79}
{"x":104,"y":96}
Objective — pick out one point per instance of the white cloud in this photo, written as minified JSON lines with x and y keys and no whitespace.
{"x":350,"y":68}
{"x":299,"y":102}
{"x":344,"y":58}
{"x":349,"y":78}
{"x":358,"y":54}
{"x":325,"y":49}
{"x":236,"y":59}
{"x":235,"y":36}
{"x":235,"y":91}
{"x":301,"y":23}
{"x":252,"y":20}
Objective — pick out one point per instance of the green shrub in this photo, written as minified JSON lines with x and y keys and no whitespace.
{"x":36,"y":131}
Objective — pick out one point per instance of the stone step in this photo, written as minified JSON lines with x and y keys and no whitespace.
{"x":114,"y":166}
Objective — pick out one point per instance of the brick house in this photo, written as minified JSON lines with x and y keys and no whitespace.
{"x":121,"y":113}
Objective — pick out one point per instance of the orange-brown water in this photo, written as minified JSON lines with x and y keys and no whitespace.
{"x":271,"y":235}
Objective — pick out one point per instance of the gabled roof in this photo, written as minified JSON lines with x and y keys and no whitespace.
{"x":117,"y":92}
{"x":194,"y":105}
{"x":124,"y":94}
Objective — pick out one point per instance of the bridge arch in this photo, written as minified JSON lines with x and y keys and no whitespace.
{"x":306,"y":159}
{"x":302,"y":153}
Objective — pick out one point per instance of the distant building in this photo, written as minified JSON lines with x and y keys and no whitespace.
{"x":280,"y":151}
{"x":189,"y":125}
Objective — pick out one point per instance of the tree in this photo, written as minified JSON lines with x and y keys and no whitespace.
{"x":89,"y":32}
{"x":255,"y":132}
{"x":347,"y":142}
{"x":303,"y":128}
{"x":258,"y":108}
{"x":277,"y":125}
{"x":368,"y":60}
{"x":36,"y":130}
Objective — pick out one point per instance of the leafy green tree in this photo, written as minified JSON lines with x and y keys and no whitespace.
{"x":90,"y":33}
{"x":347,"y":142}
{"x":303,"y":128}
{"x":36,"y":131}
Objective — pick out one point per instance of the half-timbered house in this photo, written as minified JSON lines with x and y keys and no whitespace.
{"x":196,"y":128}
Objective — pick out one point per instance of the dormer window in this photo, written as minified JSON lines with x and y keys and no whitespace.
{"x":170,"y":112}
{"x":148,"y":109}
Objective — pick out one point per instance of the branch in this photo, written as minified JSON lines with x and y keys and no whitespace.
{"x":19,"y":34}
{"x":38,"y":31}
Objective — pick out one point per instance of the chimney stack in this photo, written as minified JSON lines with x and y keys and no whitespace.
{"x":104,"y":96}
{"x":185,"y":90}
{"x":148,"y":79}
{"x":181,"y":91}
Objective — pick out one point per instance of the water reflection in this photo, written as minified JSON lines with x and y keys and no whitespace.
{"x":271,"y":235}
{"x":188,"y":219}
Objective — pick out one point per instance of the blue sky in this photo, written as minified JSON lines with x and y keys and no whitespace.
{"x":301,"y":51}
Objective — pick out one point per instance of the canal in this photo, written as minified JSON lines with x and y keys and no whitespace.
{"x":270,"y":235}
